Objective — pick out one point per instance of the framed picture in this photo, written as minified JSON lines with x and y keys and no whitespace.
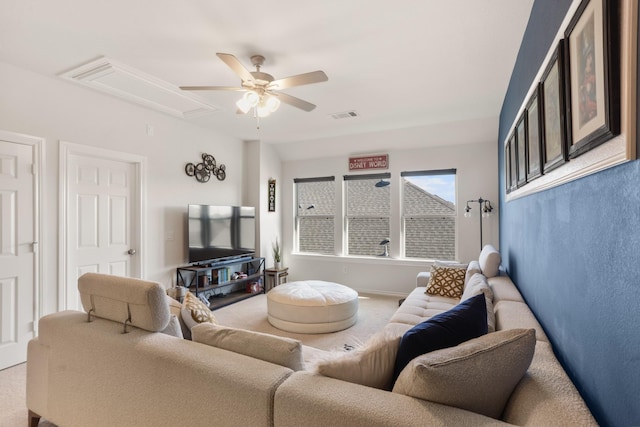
{"x":507,"y":167}
{"x":552,"y":102}
{"x":512,"y":178}
{"x":521,"y":150}
{"x":534,"y":146}
{"x":593,"y":92}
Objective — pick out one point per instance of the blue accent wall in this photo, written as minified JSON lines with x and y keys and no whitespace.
{"x":574,"y":253}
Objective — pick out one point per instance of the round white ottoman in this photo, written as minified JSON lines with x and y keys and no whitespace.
{"x":312,"y":307}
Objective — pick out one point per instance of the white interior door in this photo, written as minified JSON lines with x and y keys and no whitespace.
{"x":102,"y":220}
{"x":18,"y":246}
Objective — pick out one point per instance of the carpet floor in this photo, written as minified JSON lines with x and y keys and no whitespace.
{"x":373,"y":313}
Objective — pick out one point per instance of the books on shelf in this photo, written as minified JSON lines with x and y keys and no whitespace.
{"x":224,"y":274}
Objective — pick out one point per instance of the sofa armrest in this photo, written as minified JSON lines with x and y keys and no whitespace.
{"x":422,"y":279}
{"x":314,"y":400}
{"x":37,"y":376}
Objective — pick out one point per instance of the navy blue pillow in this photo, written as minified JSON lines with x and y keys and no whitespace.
{"x":461,"y":323}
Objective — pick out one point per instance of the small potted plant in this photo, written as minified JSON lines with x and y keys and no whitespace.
{"x":277,"y":255}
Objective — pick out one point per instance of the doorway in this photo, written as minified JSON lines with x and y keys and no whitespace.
{"x":20,"y":259}
{"x":101,"y":216}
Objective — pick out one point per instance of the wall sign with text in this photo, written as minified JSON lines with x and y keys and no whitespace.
{"x":272,"y":195}
{"x":369,"y":162}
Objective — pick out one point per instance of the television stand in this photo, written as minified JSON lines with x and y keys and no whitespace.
{"x":224,"y":282}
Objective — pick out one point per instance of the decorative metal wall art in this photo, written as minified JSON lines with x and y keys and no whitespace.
{"x":203,"y":170}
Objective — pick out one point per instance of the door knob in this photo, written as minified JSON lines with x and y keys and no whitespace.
{"x":131,"y":251}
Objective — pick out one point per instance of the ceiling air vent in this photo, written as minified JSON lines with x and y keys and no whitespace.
{"x":109,"y":76}
{"x":345,"y":115}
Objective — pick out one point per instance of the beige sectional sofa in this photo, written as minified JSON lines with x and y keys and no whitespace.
{"x":82,"y":373}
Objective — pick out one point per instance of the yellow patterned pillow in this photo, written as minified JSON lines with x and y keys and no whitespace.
{"x":446,"y":281}
{"x":195,"y":311}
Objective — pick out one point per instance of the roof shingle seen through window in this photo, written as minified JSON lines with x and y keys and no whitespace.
{"x":429,"y":220}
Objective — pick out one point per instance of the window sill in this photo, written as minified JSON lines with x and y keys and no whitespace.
{"x":363,"y":259}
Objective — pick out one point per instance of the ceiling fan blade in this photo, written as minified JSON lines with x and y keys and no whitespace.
{"x":299,"y":80}
{"x":236,"y":66}
{"x":293,"y":101}
{"x":212,"y":88}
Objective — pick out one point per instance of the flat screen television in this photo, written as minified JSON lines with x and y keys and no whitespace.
{"x":219,"y":232}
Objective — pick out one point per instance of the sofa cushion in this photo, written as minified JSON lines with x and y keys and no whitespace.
{"x":370,"y":365}
{"x":514,"y":315}
{"x":478,"y":375}
{"x":476,"y":285}
{"x":504,"y":289}
{"x":420,"y":306}
{"x":194,"y":311}
{"x":281,"y":351}
{"x":120,"y":298}
{"x":461,"y":323}
{"x":546,"y":396}
{"x":489,"y":260}
{"x":446,"y":281}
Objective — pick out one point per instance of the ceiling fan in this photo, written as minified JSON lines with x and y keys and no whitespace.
{"x":262,"y":91}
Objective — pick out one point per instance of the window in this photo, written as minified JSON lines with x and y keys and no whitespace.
{"x":429,"y":214}
{"x":315,"y":214}
{"x":368,"y":208}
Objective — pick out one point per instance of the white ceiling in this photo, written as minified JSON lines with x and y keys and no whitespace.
{"x":432,"y":64}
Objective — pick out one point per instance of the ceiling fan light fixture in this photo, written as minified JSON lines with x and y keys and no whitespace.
{"x":268,"y":104}
{"x":249,"y":100}
{"x":272,"y":103}
{"x":261,"y":89}
{"x":262,"y":110}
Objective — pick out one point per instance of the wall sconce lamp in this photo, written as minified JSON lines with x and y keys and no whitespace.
{"x":382,"y":183}
{"x":485,"y":211}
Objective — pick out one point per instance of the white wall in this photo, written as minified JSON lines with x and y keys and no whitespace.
{"x":263,"y":164}
{"x":477,"y":176}
{"x":56,"y":110}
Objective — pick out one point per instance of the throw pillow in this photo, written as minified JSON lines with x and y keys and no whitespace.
{"x":463,"y":322}
{"x":195,"y":311}
{"x":370,"y":365}
{"x":281,"y":351}
{"x":173,"y":328}
{"x":439,"y":263}
{"x":473,"y":268}
{"x":446,"y":281}
{"x":478,"y":375}
{"x":489,"y":260}
{"x":175,"y":307}
{"x":476,"y":285}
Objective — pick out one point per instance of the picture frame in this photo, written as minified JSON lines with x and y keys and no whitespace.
{"x":521,"y":150}
{"x":513,"y":181}
{"x":552,"y":103}
{"x":507,"y":167}
{"x":592,"y":65}
{"x":534,"y":142}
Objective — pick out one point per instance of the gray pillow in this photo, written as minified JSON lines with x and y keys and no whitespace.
{"x":489,"y":260}
{"x":478,"y":284}
{"x":478,"y":375}
{"x":371,"y":365}
{"x":281,"y":351}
